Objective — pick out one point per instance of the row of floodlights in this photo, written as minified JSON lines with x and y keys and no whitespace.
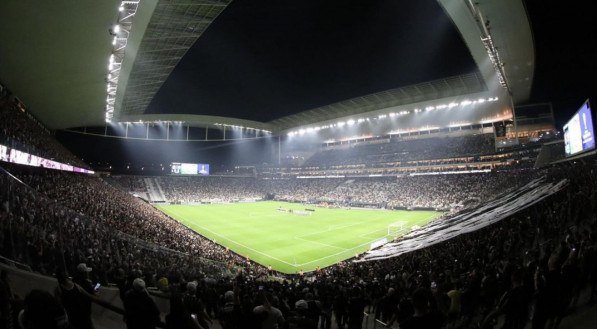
{"x":352,"y":122}
{"x":152,"y":122}
{"x":126,"y":11}
{"x":241,"y":127}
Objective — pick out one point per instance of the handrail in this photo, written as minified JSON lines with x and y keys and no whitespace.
{"x":16,"y":264}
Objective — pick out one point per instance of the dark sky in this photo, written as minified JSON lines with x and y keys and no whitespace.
{"x":565,"y":35}
{"x":262,"y":60}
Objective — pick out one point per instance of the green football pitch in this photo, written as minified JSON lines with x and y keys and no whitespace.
{"x":298,"y":241}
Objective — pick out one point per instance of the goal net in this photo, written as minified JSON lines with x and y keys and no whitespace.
{"x":396,"y":229}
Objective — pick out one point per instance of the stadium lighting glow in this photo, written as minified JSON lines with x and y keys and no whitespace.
{"x":458,"y":124}
{"x":116,"y":28}
{"x":352,"y":122}
{"x":121,"y":8}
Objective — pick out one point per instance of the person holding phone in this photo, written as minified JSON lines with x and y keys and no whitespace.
{"x":74,"y":299}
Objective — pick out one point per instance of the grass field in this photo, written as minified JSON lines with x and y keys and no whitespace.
{"x":289,"y":242}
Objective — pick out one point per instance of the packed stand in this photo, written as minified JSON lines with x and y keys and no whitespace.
{"x":47,"y":235}
{"x":442,"y":192}
{"x":533,"y":268}
{"x":128,"y":183}
{"x":212,"y":188}
{"x":19,"y":130}
{"x":71,"y":198}
{"x":396,"y":150}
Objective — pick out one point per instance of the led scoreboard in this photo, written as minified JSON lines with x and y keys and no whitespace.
{"x":178,"y":168}
{"x":579,"y":135}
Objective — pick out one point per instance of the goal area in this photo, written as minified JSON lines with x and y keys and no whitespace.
{"x":397,"y":228}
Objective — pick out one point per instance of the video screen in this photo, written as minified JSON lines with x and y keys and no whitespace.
{"x":190,"y":169}
{"x":579,"y":135}
{"x":8,"y":154}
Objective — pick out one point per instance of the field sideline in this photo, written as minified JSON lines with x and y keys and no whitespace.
{"x":289,"y":242}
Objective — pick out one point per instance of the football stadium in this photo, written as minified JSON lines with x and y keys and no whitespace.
{"x":219,"y":164}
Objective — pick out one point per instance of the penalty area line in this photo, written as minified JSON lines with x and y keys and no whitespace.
{"x":239,"y":244}
{"x":321,"y":243}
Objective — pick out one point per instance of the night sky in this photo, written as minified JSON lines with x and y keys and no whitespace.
{"x":262,"y":60}
{"x":565,"y":35}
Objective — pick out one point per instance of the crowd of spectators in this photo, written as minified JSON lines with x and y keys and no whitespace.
{"x":19,"y":130}
{"x":196,"y":189}
{"x":401,"y":150}
{"x":128,"y":183}
{"x":443,"y":192}
{"x":533,"y":268}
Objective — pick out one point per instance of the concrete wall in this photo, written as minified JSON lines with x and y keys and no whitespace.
{"x":22,"y":282}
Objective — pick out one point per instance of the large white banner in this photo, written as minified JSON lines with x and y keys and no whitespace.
{"x":492,"y":212}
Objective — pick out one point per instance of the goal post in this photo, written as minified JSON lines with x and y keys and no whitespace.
{"x":396,"y":228}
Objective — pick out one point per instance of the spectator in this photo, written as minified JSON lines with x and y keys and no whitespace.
{"x":268,"y":316}
{"x":141,"y":311}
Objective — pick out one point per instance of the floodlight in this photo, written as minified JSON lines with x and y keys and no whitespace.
{"x":116,"y":28}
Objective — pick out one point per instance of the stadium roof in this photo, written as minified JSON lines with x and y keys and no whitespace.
{"x":55,"y":57}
